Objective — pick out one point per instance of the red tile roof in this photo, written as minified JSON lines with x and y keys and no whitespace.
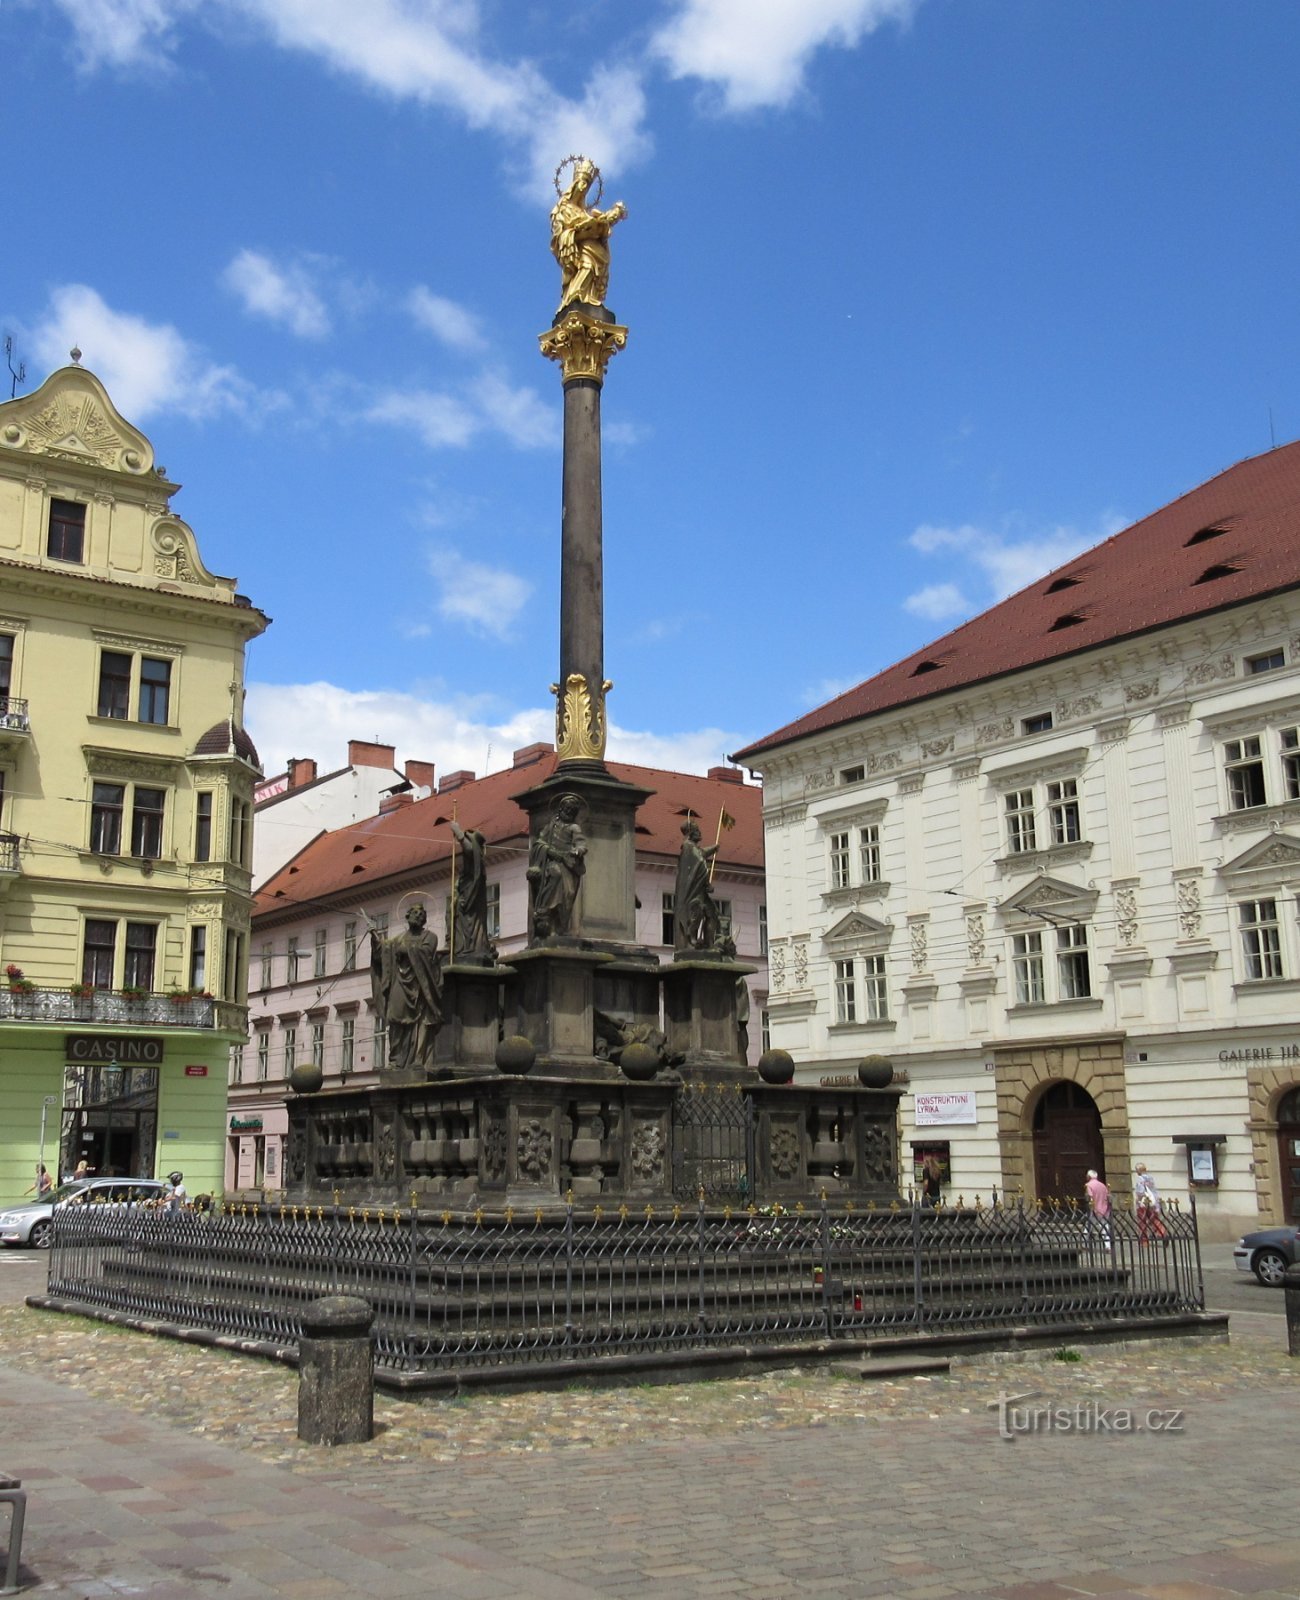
{"x":360,"y":857}
{"x":1232,"y":540}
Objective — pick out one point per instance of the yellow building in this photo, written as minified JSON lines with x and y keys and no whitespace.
{"x":126,"y":789}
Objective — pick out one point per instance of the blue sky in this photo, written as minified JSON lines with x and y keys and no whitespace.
{"x":924,"y":295}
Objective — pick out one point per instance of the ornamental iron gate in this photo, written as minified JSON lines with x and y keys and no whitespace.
{"x":713,"y":1143}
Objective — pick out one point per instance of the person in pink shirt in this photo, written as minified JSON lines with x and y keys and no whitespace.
{"x":1098,"y":1207}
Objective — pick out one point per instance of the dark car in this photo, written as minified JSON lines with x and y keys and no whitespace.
{"x":31,"y":1223}
{"x":1268,"y":1253}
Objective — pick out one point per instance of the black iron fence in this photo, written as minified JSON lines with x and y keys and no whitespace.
{"x":455,"y":1290}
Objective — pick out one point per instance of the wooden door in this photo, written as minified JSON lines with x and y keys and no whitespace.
{"x":1067,"y":1142}
{"x":1288,"y":1154}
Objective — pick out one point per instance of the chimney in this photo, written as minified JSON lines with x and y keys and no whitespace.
{"x":726,"y":775}
{"x":420,"y":774}
{"x":301,"y":771}
{"x":453,"y":780}
{"x":365,"y":753}
{"x":395,"y":802}
{"x":531,"y":753}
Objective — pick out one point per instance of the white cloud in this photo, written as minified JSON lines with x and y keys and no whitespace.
{"x":146,"y":367}
{"x":423,"y":50}
{"x":756,"y":50}
{"x":938,"y":602}
{"x":455,"y":733}
{"x":444,"y":319}
{"x":485,"y":599}
{"x":1006,"y":564}
{"x":817,"y":694}
{"x":280,"y":294}
{"x":521,"y":414}
{"x":439,"y":419}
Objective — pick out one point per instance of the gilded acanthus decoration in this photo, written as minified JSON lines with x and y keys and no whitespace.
{"x":582,"y":344}
{"x":580,"y":719}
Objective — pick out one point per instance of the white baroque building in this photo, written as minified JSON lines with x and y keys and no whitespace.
{"x":1050,"y":864}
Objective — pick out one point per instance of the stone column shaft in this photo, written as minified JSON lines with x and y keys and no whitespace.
{"x":582,"y":596}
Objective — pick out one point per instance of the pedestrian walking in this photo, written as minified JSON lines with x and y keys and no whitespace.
{"x":1098,"y":1196}
{"x":175,"y":1198}
{"x":1146,"y":1197}
{"x":44,"y":1183}
{"x":931,"y":1183}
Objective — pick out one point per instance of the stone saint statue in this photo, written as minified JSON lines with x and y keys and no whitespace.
{"x":580,"y":235}
{"x":471,"y":933}
{"x":406,"y":988}
{"x":695,"y":912}
{"x":556,"y":861}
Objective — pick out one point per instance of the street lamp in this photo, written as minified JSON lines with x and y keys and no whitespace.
{"x":46,"y":1103}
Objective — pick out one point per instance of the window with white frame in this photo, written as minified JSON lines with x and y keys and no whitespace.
{"x":869,"y":853}
{"x":265,"y":962}
{"x":1041,"y":816}
{"x":1073,"y":970}
{"x":1265,"y":661}
{"x":1261,"y":939}
{"x":1027,"y":968}
{"x":875,"y":993}
{"x":1063,"y":822}
{"x":762,"y":930}
{"x":1243,"y":764}
{"x":379,"y":1045}
{"x":494,"y":910}
{"x":1289,"y":742}
{"x":1262,"y":769}
{"x":667,"y":925}
{"x":1022,"y":834}
{"x":347,"y":1046}
{"x":349,"y":946}
{"x":319,"y":953}
{"x":291,"y":960}
{"x":318,"y":1044}
{"x":853,"y":854}
{"x":846,"y":991}
{"x":290,"y":1043}
{"x":839,"y":848}
{"x":765,"y":1028}
{"x":263,"y":1057}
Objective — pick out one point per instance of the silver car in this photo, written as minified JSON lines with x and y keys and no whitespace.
{"x":31,"y":1224}
{"x":1268,"y":1253}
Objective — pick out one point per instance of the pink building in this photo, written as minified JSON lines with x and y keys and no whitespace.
{"x":309,"y":975}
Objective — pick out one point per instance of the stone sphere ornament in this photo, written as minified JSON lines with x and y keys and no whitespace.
{"x":306,"y":1078}
{"x":516,"y":1054}
{"x":639,"y":1062}
{"x":875,"y":1072}
{"x":776,"y":1066}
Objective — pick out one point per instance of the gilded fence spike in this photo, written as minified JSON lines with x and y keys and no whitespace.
{"x":677,"y":1213}
{"x":336,"y":1196}
{"x":446,"y":1218}
{"x":380,"y":1217}
{"x":539,"y":1216}
{"x":352,"y":1213}
{"x":622,"y":1212}
{"x":365,"y":1216}
{"x":415,"y":1198}
{"x":894,"y":1206}
{"x":478,"y":1216}
{"x":961,"y":1202}
{"x":848,"y":1208}
{"x":282,"y":1210}
{"x":320,"y":1213}
{"x":752,"y":1209}
{"x":798,"y":1208}
{"x":568,"y":1197}
{"x":726,"y":1213}
{"x":597,"y":1212}
{"x":510,"y":1213}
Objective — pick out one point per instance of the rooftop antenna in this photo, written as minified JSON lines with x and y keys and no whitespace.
{"x":1272,"y":437}
{"x":20,"y":376}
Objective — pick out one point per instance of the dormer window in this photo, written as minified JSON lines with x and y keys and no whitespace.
{"x":1202,"y":534}
{"x":1041,"y":723}
{"x":66,"y":538}
{"x":1266,"y":661}
{"x":1221,"y":569}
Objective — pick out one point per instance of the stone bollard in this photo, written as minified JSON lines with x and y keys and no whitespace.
{"x":1291,"y":1288}
{"x":336,"y":1372}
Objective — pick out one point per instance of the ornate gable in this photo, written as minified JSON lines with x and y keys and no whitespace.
{"x":856,"y":928}
{"x":1051,"y":899}
{"x":71,"y":418}
{"x":1273,"y":857}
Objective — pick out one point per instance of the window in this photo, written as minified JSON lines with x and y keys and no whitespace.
{"x":233,"y":976}
{"x":291,"y":961}
{"x":874,"y":990}
{"x":318,"y":1044}
{"x":1244,"y":764}
{"x":1063,"y":811}
{"x":147,"y":823}
{"x":846,"y":1002}
{"x":869,"y":853}
{"x":762,"y":930}
{"x":1261,"y":939}
{"x":1021,"y":835}
{"x":155,"y":690}
{"x":1290,"y":740}
{"x":853,"y":774}
{"x":98,"y":953}
{"x":267,"y":952}
{"x":1042,"y":722}
{"x":107,"y":801}
{"x":320,"y":952}
{"x":114,"y":685}
{"x":379,"y":1045}
{"x":1027,"y":965}
{"x":494,"y":910}
{"x":349,"y":947}
{"x":724,"y":917}
{"x":141,"y":949}
{"x":839,"y":861}
{"x":203,"y":825}
{"x":67,"y":531}
{"x":1266,"y":661}
{"x":198,"y":957}
{"x":1074,"y":977}
{"x":263,"y":1056}
{"x":667,"y":928}
{"x":765,"y":1028}
{"x":6,"y":664}
{"x":290,"y":1049}
{"x":238,"y":847}
{"x":348,"y":1046}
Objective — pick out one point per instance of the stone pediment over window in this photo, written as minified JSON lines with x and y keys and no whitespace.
{"x":858,"y":815}
{"x":855,"y":894}
{"x":857,"y":929}
{"x":1058,"y":855}
{"x":1050,"y":764}
{"x":1050,"y":900}
{"x":1273,"y":858}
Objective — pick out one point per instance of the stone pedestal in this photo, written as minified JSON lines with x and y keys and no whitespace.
{"x":700,"y":1015}
{"x":554,"y":999}
{"x":606,"y":905}
{"x":471,"y":1008}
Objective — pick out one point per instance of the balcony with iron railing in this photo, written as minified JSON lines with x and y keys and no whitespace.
{"x":10,"y":860}
{"x":15,"y":726}
{"x":27,"y":1002}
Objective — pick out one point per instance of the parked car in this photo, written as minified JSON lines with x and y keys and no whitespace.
{"x":31,"y":1224}
{"x":1268,"y":1253}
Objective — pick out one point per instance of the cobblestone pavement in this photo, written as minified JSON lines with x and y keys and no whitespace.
{"x":159,"y":1469}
